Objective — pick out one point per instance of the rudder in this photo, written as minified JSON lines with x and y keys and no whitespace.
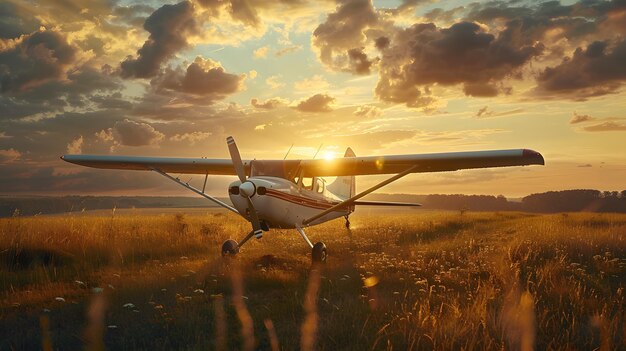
{"x":344,"y":187}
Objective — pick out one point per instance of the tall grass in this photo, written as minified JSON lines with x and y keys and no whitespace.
{"x":416,"y":280}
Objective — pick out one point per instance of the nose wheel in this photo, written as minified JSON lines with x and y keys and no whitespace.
{"x":230,"y":247}
{"x":318,"y":252}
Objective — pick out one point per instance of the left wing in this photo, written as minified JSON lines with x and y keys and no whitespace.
{"x":164,"y":164}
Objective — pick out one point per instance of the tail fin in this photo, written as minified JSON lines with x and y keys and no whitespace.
{"x":344,"y":187}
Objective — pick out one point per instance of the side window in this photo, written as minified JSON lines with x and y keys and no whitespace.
{"x":307,"y":183}
{"x":320,"y":185}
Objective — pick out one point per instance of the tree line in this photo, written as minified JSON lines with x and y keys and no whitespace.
{"x":585,"y":200}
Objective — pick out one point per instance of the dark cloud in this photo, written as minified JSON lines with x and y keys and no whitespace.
{"x":202,"y":77}
{"x":597,"y":70}
{"x":580,"y":118}
{"x":344,"y":30}
{"x":359,"y":64}
{"x":169,"y":28}
{"x":131,"y":133}
{"x":14,"y":23}
{"x":608,"y":126}
{"x":76,"y":90}
{"x":480,"y":89}
{"x":382,"y":43}
{"x":241,"y":10}
{"x":39,"y":57}
{"x":531,"y":23}
{"x":316,"y":103}
{"x":424,"y":54}
{"x":269,"y":104}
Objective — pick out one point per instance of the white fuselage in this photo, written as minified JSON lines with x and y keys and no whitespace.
{"x":281,"y":203}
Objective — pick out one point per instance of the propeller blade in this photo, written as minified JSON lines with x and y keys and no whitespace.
{"x":236,"y":158}
{"x":254,"y":219}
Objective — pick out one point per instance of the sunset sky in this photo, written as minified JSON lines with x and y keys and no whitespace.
{"x":384,"y":77}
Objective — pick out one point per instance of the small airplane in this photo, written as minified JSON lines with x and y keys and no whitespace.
{"x":293,"y":194}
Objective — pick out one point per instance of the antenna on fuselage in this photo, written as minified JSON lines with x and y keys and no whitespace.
{"x":318,"y":150}
{"x":284,"y":158}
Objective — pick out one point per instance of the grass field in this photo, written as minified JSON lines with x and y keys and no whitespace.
{"x":411,"y":280}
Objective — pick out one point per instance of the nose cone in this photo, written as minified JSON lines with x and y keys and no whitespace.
{"x":247,"y":189}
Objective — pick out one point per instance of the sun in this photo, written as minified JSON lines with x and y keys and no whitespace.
{"x":329,"y":155}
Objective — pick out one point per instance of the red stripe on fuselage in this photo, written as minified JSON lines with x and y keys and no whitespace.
{"x":299,"y":200}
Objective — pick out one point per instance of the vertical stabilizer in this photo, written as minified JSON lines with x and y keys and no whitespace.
{"x":344,"y":187}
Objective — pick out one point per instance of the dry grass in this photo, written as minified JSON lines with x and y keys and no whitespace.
{"x":414,"y":280}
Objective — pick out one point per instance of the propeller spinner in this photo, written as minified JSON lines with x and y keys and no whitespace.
{"x":247,"y":189}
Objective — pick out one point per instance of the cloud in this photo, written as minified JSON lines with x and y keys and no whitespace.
{"x":75,"y":146}
{"x":464,"y":53}
{"x":359,"y":64}
{"x":274,"y":82}
{"x":191,"y":138}
{"x":169,"y":27}
{"x":316,"y":103}
{"x":8,"y":156}
{"x":131,"y":133}
{"x":368,"y":111}
{"x":580,"y":118}
{"x":343,"y":31}
{"x":484,"y":112}
{"x":261,"y":52}
{"x":597,"y":70}
{"x":268,"y":104}
{"x":14,"y":22}
{"x":288,"y":50}
{"x":34,"y":60}
{"x":241,"y":10}
{"x":203,"y":77}
{"x":607,"y":126}
{"x":317,"y":82}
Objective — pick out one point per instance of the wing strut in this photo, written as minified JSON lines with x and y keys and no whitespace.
{"x":351,"y":200}
{"x":201,"y":193}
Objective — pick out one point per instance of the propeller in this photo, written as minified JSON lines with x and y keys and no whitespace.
{"x":247,"y":189}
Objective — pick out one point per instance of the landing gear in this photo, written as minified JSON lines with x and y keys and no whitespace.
{"x":318,"y":253}
{"x":230,"y":247}
{"x":347,"y":221}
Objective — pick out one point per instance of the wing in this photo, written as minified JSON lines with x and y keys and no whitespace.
{"x":164,"y":164}
{"x":438,"y":162}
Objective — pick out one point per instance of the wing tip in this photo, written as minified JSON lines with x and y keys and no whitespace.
{"x":534,"y":157}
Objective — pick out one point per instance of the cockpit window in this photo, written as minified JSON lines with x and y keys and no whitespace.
{"x":320,"y":185}
{"x":307,"y":183}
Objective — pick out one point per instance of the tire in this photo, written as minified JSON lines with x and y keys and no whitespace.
{"x":319,"y":253}
{"x":230,"y":247}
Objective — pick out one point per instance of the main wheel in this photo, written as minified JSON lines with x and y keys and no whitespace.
{"x":318,"y":253}
{"x":230,"y":247}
